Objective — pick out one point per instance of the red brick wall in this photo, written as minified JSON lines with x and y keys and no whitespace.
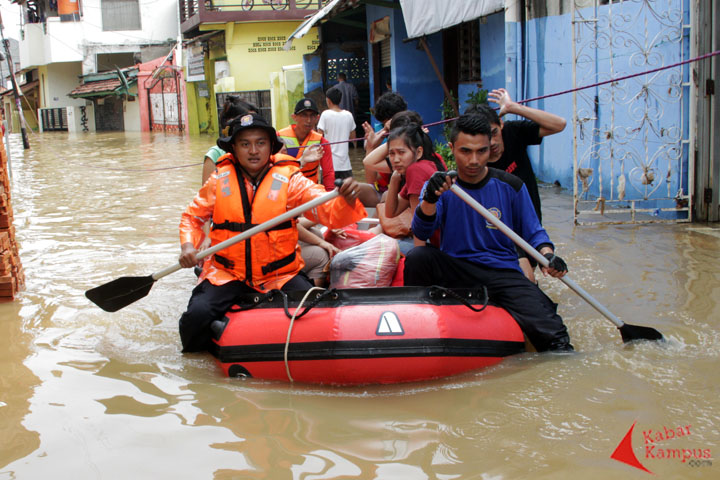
{"x":12,"y":278}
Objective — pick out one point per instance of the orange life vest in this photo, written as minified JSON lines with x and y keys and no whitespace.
{"x":288,"y":137}
{"x":264,"y":255}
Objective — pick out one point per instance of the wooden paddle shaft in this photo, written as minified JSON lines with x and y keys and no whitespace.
{"x":295,"y":212}
{"x":532,"y":252}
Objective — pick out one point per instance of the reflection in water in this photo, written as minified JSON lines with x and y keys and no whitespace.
{"x":16,"y":386}
{"x":87,"y":393}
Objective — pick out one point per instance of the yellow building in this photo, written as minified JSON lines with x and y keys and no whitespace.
{"x":245,"y":57}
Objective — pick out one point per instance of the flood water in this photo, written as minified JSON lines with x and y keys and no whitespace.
{"x":90,"y":394}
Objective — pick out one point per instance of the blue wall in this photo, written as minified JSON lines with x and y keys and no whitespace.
{"x":492,"y":51}
{"x":312,"y":69}
{"x":412,"y":74}
{"x":492,"y":58}
{"x":543,"y":65}
{"x":372,"y":13}
{"x":548,"y":69}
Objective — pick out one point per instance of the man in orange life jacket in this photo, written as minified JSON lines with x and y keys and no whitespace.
{"x":251,"y":185}
{"x":302,"y":135}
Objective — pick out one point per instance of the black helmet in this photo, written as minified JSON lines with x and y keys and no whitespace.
{"x":251,"y":120}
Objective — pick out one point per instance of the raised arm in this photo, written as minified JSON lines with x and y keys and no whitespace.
{"x":375,"y":160}
{"x":394,"y":203}
{"x":373,"y":139}
{"x":549,"y":122}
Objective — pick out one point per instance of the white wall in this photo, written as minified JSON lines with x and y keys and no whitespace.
{"x":75,"y":118}
{"x":132,"y":115}
{"x":57,"y":80}
{"x":72,"y":41}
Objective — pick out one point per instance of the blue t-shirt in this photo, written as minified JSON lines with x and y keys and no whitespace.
{"x":466,"y":234}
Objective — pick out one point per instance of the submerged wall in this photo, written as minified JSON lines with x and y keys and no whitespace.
{"x":12,"y":278}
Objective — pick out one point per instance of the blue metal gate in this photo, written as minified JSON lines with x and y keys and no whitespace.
{"x":632,"y":137}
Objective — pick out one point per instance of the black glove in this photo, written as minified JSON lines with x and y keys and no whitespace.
{"x":556,"y":262}
{"x":435,"y":183}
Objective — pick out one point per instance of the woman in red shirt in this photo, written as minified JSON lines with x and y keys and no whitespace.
{"x":413,"y":162}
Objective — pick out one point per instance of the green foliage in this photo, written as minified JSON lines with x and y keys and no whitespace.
{"x":444,"y":150}
{"x":475,"y":98}
{"x":447,"y":112}
{"x":478,"y":97}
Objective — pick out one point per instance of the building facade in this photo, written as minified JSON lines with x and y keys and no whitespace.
{"x":69,"y":41}
{"x":640,"y":106}
{"x":233,"y":48}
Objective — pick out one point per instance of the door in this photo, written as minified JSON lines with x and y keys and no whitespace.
{"x":109,"y":115}
{"x":164,"y":102}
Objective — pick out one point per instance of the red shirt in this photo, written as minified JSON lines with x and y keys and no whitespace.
{"x":415,"y":177}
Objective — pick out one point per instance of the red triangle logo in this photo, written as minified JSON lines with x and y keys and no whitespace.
{"x":624,"y":452}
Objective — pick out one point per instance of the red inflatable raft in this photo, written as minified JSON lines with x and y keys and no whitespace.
{"x":365,"y":336}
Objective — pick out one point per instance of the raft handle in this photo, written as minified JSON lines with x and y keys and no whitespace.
{"x":446,"y":292}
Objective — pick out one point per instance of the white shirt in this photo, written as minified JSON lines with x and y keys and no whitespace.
{"x":337,"y":126}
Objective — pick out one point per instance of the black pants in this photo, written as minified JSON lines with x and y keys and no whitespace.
{"x":530,"y":307}
{"x":210,"y":302}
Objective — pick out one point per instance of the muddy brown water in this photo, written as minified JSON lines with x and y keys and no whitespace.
{"x":90,"y":394}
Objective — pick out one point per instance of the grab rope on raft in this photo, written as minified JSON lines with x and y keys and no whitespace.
{"x":269,"y":296}
{"x":292,"y":322}
{"x":434,"y":291}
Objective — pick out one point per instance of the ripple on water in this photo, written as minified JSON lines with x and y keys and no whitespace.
{"x":119,"y":387}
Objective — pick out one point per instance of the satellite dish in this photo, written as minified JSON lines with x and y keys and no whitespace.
{"x":123,"y":80}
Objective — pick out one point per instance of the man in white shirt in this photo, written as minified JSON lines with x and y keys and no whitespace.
{"x":337,"y":126}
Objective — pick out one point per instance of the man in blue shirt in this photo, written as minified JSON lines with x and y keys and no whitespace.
{"x":473,"y":251}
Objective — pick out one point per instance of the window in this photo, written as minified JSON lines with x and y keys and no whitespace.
{"x":469,"y":52}
{"x":54,"y":119}
{"x":385,"y":55}
{"x":121,"y":15}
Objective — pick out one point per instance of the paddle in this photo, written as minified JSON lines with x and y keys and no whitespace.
{"x":123,"y":291}
{"x":628,"y":332}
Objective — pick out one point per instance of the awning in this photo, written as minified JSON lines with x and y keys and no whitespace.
{"x":202,"y":38}
{"x":423,"y":17}
{"x":24,"y":88}
{"x":305,"y":27}
{"x":101,"y":88}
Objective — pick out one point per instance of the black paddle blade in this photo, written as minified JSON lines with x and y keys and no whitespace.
{"x":120,"y":293}
{"x":630,"y":333}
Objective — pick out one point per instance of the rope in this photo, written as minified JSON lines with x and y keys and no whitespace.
{"x":311,"y":305}
{"x":618,"y":79}
{"x":440,"y":122}
{"x":258,"y":300}
{"x":290,"y":327}
{"x":597,"y":84}
{"x":144,"y":169}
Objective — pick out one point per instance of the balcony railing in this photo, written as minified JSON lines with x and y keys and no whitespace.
{"x":196,"y":12}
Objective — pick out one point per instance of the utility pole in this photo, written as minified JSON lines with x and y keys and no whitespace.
{"x":16,"y":90}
